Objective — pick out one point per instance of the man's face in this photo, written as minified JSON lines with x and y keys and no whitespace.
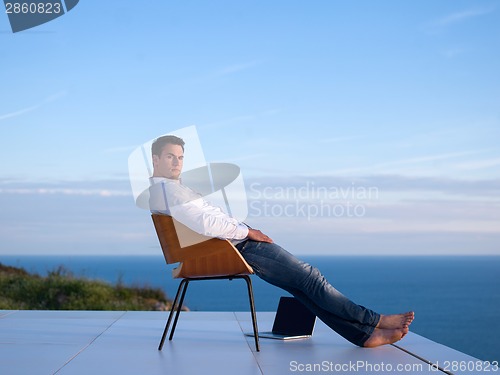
{"x":169,"y":163}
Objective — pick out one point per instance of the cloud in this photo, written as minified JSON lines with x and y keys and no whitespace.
{"x":245,"y":157}
{"x":479,"y":164}
{"x":239,"y":119}
{"x":187,"y":83}
{"x":340,"y":139}
{"x":452,"y":52}
{"x":65,"y":213}
{"x":453,"y":19}
{"x":230,"y":69}
{"x":121,"y":149}
{"x":463,"y":15}
{"x":413,"y":165}
{"x":449,"y":186}
{"x":393,"y":184}
{"x":72,"y":221}
{"x":102,"y":188}
{"x":18,"y":113}
{"x":227,"y":122}
{"x":440,"y":216}
{"x":48,"y":99}
{"x":431,"y":158}
{"x":65,"y":191}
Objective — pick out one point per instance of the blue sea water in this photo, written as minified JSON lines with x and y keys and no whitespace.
{"x":456,"y":299}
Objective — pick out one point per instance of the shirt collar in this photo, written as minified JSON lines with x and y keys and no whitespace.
{"x":157,"y":180}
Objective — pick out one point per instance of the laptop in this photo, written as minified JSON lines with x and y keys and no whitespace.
{"x":293,"y":321}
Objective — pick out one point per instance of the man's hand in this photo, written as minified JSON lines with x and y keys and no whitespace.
{"x":257,"y":235}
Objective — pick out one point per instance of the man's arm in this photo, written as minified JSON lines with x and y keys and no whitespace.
{"x":193,"y":211}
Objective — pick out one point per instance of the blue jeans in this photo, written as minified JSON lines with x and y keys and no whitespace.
{"x":280,"y":268}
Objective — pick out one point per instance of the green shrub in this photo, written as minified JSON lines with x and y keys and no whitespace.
{"x":60,"y":290}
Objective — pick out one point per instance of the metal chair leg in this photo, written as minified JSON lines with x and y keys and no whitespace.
{"x":252,"y":310}
{"x":179,"y":307}
{"x":172,"y":310}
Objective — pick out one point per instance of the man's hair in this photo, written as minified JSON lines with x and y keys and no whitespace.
{"x":159,"y":143}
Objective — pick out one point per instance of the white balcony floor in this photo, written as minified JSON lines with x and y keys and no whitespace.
{"x":117,"y":342}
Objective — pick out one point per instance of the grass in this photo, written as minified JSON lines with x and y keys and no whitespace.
{"x":61,"y":290}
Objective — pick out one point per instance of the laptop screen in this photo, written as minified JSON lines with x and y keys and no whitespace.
{"x":293,"y":318}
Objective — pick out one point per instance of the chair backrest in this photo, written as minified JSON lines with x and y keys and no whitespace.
{"x":206,"y":256}
{"x":168,"y":234}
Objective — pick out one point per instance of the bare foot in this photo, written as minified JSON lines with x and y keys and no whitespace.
{"x":396,"y":321}
{"x":385,"y":336}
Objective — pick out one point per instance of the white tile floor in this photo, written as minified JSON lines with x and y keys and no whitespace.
{"x":117,"y":342}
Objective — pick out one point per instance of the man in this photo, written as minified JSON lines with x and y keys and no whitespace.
{"x":359,"y":325}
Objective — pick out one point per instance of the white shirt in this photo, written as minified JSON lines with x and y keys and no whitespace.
{"x":170,"y":197}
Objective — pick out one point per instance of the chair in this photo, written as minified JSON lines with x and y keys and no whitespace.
{"x":206,"y":259}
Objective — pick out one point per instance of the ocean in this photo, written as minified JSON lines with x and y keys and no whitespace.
{"x":456,"y":299}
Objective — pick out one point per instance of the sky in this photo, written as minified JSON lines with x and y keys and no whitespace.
{"x":360,"y":128}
